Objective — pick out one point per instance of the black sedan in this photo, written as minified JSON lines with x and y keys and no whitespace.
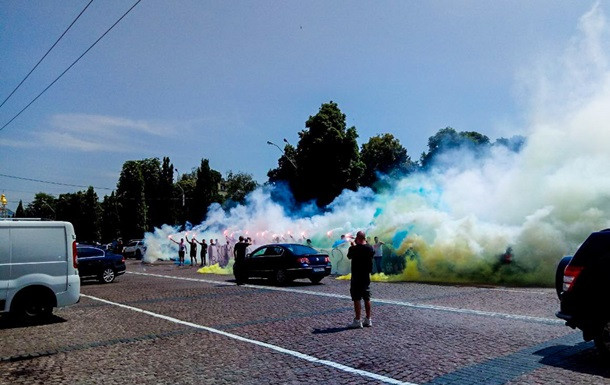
{"x":98,"y":263}
{"x":285,"y":262}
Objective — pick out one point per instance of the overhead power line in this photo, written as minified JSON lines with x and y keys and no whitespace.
{"x":45,"y":55}
{"x":55,"y":183}
{"x":69,"y":67}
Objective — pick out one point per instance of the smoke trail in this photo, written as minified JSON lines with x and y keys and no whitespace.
{"x":453,"y":222}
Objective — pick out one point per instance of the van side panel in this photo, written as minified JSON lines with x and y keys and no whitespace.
{"x":5,"y":267}
{"x":40,"y":251}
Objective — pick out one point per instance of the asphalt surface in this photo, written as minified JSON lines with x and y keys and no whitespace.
{"x":164,"y":324}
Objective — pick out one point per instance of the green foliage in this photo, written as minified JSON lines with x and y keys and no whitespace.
{"x":110,"y":218}
{"x":326,"y":160}
{"x":43,"y":206}
{"x":151,"y":175}
{"x":168,"y":200}
{"x":132,"y":204}
{"x":383,"y":154}
{"x":449,"y":139}
{"x":20,"y":212}
{"x":237,"y":186}
{"x":205,"y":191}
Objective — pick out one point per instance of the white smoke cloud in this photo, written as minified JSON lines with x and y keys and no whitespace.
{"x":459,"y":217}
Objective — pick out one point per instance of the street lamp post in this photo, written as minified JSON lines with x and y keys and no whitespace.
{"x":283,"y":153}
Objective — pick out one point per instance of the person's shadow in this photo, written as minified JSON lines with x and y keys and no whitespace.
{"x":330,"y":330}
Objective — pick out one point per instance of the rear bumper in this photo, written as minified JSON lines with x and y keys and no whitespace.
{"x":308,"y":272}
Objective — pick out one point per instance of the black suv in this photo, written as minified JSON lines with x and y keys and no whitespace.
{"x":583,"y":285}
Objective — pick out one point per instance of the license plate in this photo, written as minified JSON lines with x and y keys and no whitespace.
{"x":318,"y":269}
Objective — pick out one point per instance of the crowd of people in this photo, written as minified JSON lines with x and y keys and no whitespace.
{"x":210,"y":253}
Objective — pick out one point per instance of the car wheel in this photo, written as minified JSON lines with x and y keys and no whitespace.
{"x":138,"y":254}
{"x":281,"y":277}
{"x":315,"y":279}
{"x":602,"y":342}
{"x":107,"y":275}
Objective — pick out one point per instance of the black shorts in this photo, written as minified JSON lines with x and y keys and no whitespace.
{"x":360,"y":290}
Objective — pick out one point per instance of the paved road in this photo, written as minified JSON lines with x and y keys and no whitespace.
{"x":164,"y":324}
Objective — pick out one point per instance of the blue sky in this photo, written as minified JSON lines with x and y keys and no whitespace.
{"x":217,"y":80}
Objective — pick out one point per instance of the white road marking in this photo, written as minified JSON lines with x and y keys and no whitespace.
{"x":374,"y":300}
{"x":279,"y":349}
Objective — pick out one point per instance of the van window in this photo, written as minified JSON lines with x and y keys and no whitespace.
{"x":33,"y":245}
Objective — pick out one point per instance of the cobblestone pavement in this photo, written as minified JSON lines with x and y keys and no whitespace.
{"x":164,"y":324}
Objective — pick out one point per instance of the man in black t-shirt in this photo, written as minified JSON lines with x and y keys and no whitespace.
{"x":361,"y":255}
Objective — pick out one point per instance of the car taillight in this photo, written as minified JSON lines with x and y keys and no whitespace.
{"x":123,"y":259}
{"x":569,"y":276}
{"x":327,"y":259}
{"x":303,"y":260}
{"x":74,"y":255}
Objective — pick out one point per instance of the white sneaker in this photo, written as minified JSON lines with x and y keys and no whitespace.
{"x":367,"y":323}
{"x":356,"y":324}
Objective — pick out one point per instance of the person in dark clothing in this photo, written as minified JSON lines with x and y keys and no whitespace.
{"x":204,"y":251}
{"x":361,"y":255}
{"x":193,"y":249}
{"x":239,"y":253}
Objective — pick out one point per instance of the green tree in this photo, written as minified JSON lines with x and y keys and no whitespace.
{"x":383,"y":154}
{"x":237,"y":186}
{"x":185,"y":189}
{"x":206,"y":192}
{"x":449,"y":139}
{"x":167,"y":199}
{"x":43,"y":206}
{"x":90,"y":215}
{"x":327,"y":158}
{"x":83,"y":210}
{"x":20,"y":212}
{"x":110,"y":218}
{"x":132,"y":204}
{"x":151,"y":175}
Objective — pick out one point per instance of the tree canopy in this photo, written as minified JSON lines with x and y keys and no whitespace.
{"x":326,"y":160}
{"x":383,"y":154}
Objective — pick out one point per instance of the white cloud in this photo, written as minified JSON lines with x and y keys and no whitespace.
{"x":92,"y":133}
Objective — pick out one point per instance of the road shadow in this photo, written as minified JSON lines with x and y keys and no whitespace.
{"x":330,"y":330}
{"x":581,"y":358}
{"x":11,"y":322}
{"x":270,"y":283}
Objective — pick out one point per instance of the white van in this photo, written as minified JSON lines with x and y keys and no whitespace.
{"x":38,"y":268}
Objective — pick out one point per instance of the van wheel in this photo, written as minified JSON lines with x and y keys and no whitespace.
{"x":602,"y":341}
{"x":107,"y":275}
{"x":35,"y":309}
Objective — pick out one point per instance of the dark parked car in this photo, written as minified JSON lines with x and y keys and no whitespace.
{"x":583,"y":286}
{"x":98,"y":263}
{"x":285,"y":262}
